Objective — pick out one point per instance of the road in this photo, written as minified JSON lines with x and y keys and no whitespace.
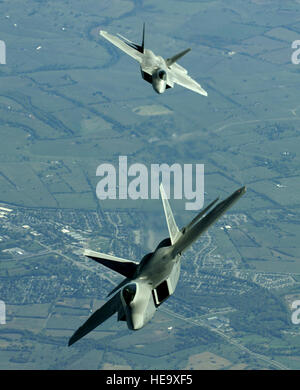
{"x":228,"y":339}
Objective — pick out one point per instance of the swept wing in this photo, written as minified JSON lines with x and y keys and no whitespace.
{"x":96,"y":319}
{"x":128,"y":49}
{"x":180,"y":76}
{"x":199,"y":225}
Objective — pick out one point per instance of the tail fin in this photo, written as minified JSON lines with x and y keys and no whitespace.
{"x":122,"y":266}
{"x":173,"y":229}
{"x":197,"y":227}
{"x":143,"y":40}
{"x":135,"y":46}
{"x":170,"y":61}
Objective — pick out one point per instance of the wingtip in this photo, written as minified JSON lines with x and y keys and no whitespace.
{"x":75,"y":337}
{"x":201,"y":91}
{"x":241,"y":190}
{"x":70,"y":342}
{"x":88,"y":253}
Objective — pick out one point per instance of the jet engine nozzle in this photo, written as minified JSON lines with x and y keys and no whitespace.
{"x":129,"y":293}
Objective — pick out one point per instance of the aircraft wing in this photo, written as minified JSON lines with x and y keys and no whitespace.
{"x":123,"y":46}
{"x":181,"y":77}
{"x":199,"y":225}
{"x":97,"y":318}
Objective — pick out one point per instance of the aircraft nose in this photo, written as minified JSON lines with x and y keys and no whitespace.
{"x":158,"y":88}
{"x":137,"y":321}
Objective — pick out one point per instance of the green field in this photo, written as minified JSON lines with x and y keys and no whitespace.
{"x":70,"y":101}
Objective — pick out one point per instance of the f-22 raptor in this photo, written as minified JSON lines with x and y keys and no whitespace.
{"x":149,"y":283}
{"x":161,"y":73}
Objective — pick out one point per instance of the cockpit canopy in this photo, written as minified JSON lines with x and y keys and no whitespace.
{"x":162,"y":74}
{"x":129,"y":292}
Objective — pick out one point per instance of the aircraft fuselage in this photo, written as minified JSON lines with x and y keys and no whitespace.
{"x":154,"y":70}
{"x":157,"y":278}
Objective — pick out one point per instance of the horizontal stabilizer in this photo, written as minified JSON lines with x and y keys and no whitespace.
{"x":175,"y":58}
{"x":122,"y":266}
{"x":197,"y":228}
{"x":97,"y":318}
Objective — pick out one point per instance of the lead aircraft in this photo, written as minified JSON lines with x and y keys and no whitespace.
{"x":150,"y":282}
{"x":161,"y":73}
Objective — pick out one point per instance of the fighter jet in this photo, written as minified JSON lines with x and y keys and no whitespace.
{"x":150,"y":282}
{"x":161,"y":73}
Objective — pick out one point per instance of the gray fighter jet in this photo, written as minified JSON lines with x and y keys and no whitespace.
{"x":149,"y":283}
{"x":161,"y":73}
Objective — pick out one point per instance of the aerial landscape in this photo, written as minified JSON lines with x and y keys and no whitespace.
{"x":71,"y":101}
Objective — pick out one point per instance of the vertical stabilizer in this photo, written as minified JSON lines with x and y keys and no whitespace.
{"x":143,"y":40}
{"x":128,"y":42}
{"x":172,"y":60}
{"x":173,"y":229}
